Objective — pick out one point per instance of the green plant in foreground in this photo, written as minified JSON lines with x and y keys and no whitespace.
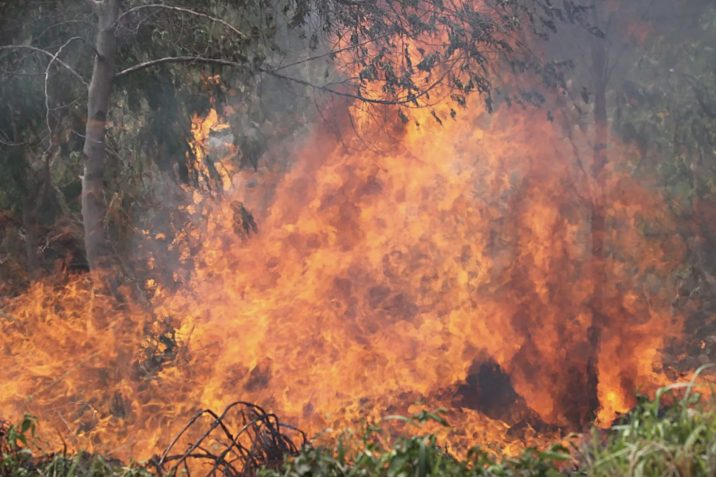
{"x":88,"y":465}
{"x":17,"y":460}
{"x":672,"y":435}
{"x":15,"y":456}
{"x":417,"y":456}
{"x":678,"y":439}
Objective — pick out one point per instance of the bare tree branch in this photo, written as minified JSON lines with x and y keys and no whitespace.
{"x":177,"y":59}
{"x":47,"y":53}
{"x":47,"y":82}
{"x":182,"y":10}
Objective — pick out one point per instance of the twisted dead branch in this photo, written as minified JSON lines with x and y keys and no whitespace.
{"x":237,"y":442}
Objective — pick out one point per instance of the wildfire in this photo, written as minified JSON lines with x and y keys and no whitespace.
{"x":442,"y":267}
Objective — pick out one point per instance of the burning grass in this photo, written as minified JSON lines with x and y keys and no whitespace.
{"x":673,"y":434}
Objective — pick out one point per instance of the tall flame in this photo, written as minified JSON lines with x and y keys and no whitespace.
{"x":440,"y":266}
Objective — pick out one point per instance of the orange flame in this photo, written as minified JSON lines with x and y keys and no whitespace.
{"x":381,"y":277}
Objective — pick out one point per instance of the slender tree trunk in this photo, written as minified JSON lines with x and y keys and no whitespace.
{"x":94,"y":207}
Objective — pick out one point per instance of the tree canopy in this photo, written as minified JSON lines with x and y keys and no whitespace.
{"x":73,"y":70}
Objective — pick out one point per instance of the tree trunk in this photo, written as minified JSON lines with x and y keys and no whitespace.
{"x":94,"y":207}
